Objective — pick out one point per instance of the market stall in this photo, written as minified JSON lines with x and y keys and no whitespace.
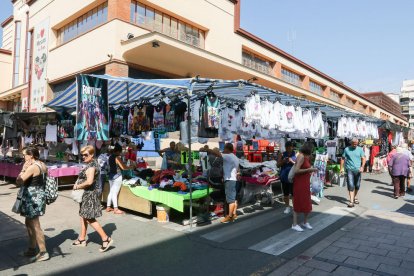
{"x":203,"y":109}
{"x":35,"y":129}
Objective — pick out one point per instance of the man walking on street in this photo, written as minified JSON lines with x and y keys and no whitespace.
{"x":354,"y":160}
{"x":231,"y":175}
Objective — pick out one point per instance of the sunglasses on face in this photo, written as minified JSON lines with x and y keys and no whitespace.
{"x":85,"y":155}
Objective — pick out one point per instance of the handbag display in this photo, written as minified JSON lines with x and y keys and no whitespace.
{"x":77,"y":195}
{"x":18,"y":203}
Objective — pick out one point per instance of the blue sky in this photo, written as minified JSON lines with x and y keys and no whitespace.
{"x":6,"y":9}
{"x":367,"y":44}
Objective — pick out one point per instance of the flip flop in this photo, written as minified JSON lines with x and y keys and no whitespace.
{"x":356,"y":201}
{"x":351,"y":205}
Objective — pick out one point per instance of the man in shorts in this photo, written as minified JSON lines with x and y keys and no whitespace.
{"x":354,"y":160}
{"x":231,"y":176}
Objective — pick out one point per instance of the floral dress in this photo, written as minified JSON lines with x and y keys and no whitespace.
{"x":90,"y":207}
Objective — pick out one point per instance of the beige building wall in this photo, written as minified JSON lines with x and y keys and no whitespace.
{"x":6,"y":71}
{"x":8,"y":35}
{"x":223,"y":46}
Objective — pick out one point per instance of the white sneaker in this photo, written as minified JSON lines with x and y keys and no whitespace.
{"x":297,"y":228}
{"x":315,"y":199}
{"x":307,"y":226}
{"x":287,"y":210}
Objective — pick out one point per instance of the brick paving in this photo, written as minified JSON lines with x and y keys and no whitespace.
{"x":376,"y":243}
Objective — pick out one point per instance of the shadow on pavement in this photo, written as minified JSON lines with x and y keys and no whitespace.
{"x":407,"y":208}
{"x":376,"y":181}
{"x":385,"y":188}
{"x":387,"y":194}
{"x":337,"y":199}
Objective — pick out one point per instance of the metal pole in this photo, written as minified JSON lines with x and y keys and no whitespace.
{"x":190,"y":158}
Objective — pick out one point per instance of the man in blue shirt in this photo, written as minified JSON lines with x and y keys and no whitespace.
{"x":354,"y":159}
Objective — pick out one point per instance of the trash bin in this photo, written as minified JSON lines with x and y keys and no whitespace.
{"x":163,"y":213}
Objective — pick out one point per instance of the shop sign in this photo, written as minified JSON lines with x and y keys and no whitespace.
{"x":185,"y":156}
{"x":92,"y":109}
{"x":39,"y":74}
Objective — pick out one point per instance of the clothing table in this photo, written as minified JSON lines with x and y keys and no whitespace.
{"x":171,"y":199}
{"x":254,"y":186}
{"x":60,"y":172}
{"x":63,"y":171}
{"x":10,"y":169}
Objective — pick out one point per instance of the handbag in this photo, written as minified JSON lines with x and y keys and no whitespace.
{"x":77,"y":195}
{"x":291,"y":174}
{"x":51,"y":187}
{"x":18,"y":203}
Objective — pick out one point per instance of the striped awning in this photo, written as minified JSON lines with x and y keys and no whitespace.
{"x":124,"y":91}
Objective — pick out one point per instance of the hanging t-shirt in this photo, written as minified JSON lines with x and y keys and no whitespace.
{"x":253,"y":109}
{"x":51,"y":133}
{"x":331,"y":147}
{"x":158,"y":121}
{"x":289,"y":118}
{"x":170,"y":118}
{"x":212,"y":105}
{"x":117,"y":123}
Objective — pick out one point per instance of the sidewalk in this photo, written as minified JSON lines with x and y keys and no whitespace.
{"x":376,"y":243}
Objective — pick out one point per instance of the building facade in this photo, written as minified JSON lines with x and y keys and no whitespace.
{"x":385,"y":102}
{"x":394,"y":96}
{"x":50,"y":41}
{"x":407,"y":100}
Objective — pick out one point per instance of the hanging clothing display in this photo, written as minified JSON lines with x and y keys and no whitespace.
{"x":253,"y":109}
{"x":209,"y":117}
{"x":158,"y":118}
{"x":51,"y":133}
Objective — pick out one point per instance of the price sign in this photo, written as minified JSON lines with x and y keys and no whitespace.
{"x":184,"y":156}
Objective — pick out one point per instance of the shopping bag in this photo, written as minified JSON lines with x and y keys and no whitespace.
{"x":77,"y":195}
{"x":17,"y":206}
{"x":315,"y":183}
{"x":342,"y":181}
{"x":291,"y":174}
{"x":164,"y":164}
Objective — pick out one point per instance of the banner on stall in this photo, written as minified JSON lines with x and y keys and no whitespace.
{"x":185,"y":156}
{"x":92,"y":109}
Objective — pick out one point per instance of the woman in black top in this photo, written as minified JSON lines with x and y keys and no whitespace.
{"x":115,"y":178}
{"x":33,"y":202}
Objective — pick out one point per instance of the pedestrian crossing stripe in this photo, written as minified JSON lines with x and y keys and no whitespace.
{"x":287,"y":239}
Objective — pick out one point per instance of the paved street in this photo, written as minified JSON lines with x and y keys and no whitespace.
{"x":375,"y":238}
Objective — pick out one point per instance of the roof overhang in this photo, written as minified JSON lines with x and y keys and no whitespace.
{"x":181,"y":59}
{"x":14,"y":93}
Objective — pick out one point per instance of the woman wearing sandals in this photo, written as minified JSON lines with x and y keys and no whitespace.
{"x":33,"y":202}
{"x":115,"y":178}
{"x":90,"y":208}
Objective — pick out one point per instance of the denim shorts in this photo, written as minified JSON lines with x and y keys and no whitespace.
{"x":353,"y":180}
{"x":230,"y":190}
